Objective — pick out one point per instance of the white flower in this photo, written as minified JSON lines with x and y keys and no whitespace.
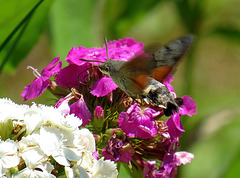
{"x":44,"y":131}
{"x":87,"y":161}
{"x":58,"y":143}
{"x":8,"y":157}
{"x":29,"y":141}
{"x":10,"y":110}
{"x":53,"y":116}
{"x":8,"y":149}
{"x":71,"y":121}
{"x":33,"y":119}
{"x":84,"y":140}
{"x":104,"y":168}
{"x":96,"y":168}
{"x":76,"y":171}
{"x":36,"y":164}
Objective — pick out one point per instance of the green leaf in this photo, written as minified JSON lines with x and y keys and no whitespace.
{"x":229,"y":32}
{"x":18,"y":35}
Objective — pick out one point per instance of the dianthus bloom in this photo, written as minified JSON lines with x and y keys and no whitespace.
{"x":138,"y":123}
{"x":118,"y":150}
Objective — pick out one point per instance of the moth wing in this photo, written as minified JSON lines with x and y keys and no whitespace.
{"x":137,"y":71}
{"x":168,"y":56}
{"x":137,"y":84}
{"x":138,"y":65}
{"x":157,"y":65}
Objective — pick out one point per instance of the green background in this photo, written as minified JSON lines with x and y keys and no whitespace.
{"x":33,"y":32}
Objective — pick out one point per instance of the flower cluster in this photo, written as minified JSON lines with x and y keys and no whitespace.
{"x":124,"y":131}
{"x":40,"y":141}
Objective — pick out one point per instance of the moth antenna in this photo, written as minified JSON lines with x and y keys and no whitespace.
{"x":89,"y":60}
{"x":106,"y":45}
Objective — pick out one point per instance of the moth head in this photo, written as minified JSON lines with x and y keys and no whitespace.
{"x":110,"y":66}
{"x":105,"y":67}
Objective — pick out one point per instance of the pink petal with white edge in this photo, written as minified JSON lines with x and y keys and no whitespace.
{"x":183,"y":157}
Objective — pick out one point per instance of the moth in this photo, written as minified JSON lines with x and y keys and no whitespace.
{"x":143,"y":77}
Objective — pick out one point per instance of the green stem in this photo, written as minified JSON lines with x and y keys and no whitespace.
{"x":24,"y":21}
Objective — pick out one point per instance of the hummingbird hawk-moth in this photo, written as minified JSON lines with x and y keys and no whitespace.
{"x":142,"y":77}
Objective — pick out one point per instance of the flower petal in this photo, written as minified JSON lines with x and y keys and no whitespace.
{"x":103,"y":86}
{"x":188,"y":107}
{"x":35,"y":89}
{"x":175,"y":127}
{"x":183,"y":157}
{"x":105,"y":168}
{"x":80,"y":109}
{"x":69,"y":77}
{"x":50,"y":69}
{"x":138,"y":123}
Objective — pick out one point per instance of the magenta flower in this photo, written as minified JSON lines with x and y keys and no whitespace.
{"x":188,"y":107}
{"x":69,"y":77}
{"x":167,"y":81}
{"x":149,"y":169}
{"x":103,"y":86}
{"x":116,"y":150}
{"x":41,"y":82}
{"x":98,"y":112}
{"x":63,"y":105}
{"x":169,"y":165}
{"x":138,"y":123}
{"x":95,"y":155}
{"x":75,"y":74}
{"x":183,"y":157}
{"x":80,"y":109}
{"x":175,"y":127}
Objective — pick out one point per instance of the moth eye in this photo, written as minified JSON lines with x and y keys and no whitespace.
{"x":106,"y":69}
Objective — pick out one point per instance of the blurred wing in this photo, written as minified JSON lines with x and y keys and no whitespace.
{"x":137,"y":71}
{"x":168,"y":56}
{"x":158,"y":65}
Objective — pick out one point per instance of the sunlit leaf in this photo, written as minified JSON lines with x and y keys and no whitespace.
{"x":12,"y":13}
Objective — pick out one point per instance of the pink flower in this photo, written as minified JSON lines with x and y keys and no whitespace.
{"x":69,"y":77}
{"x":169,"y":165}
{"x":175,"y":127}
{"x":138,"y":123}
{"x":149,"y":169}
{"x":116,"y":150}
{"x":98,"y":112}
{"x":188,"y":107}
{"x":103,"y":86}
{"x":167,"y":81}
{"x":183,"y":157}
{"x":63,"y":105}
{"x":80,"y":109}
{"x":41,"y":82}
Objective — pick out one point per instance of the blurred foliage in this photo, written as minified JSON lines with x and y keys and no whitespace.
{"x":210,"y":73}
{"x":18,"y":35}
